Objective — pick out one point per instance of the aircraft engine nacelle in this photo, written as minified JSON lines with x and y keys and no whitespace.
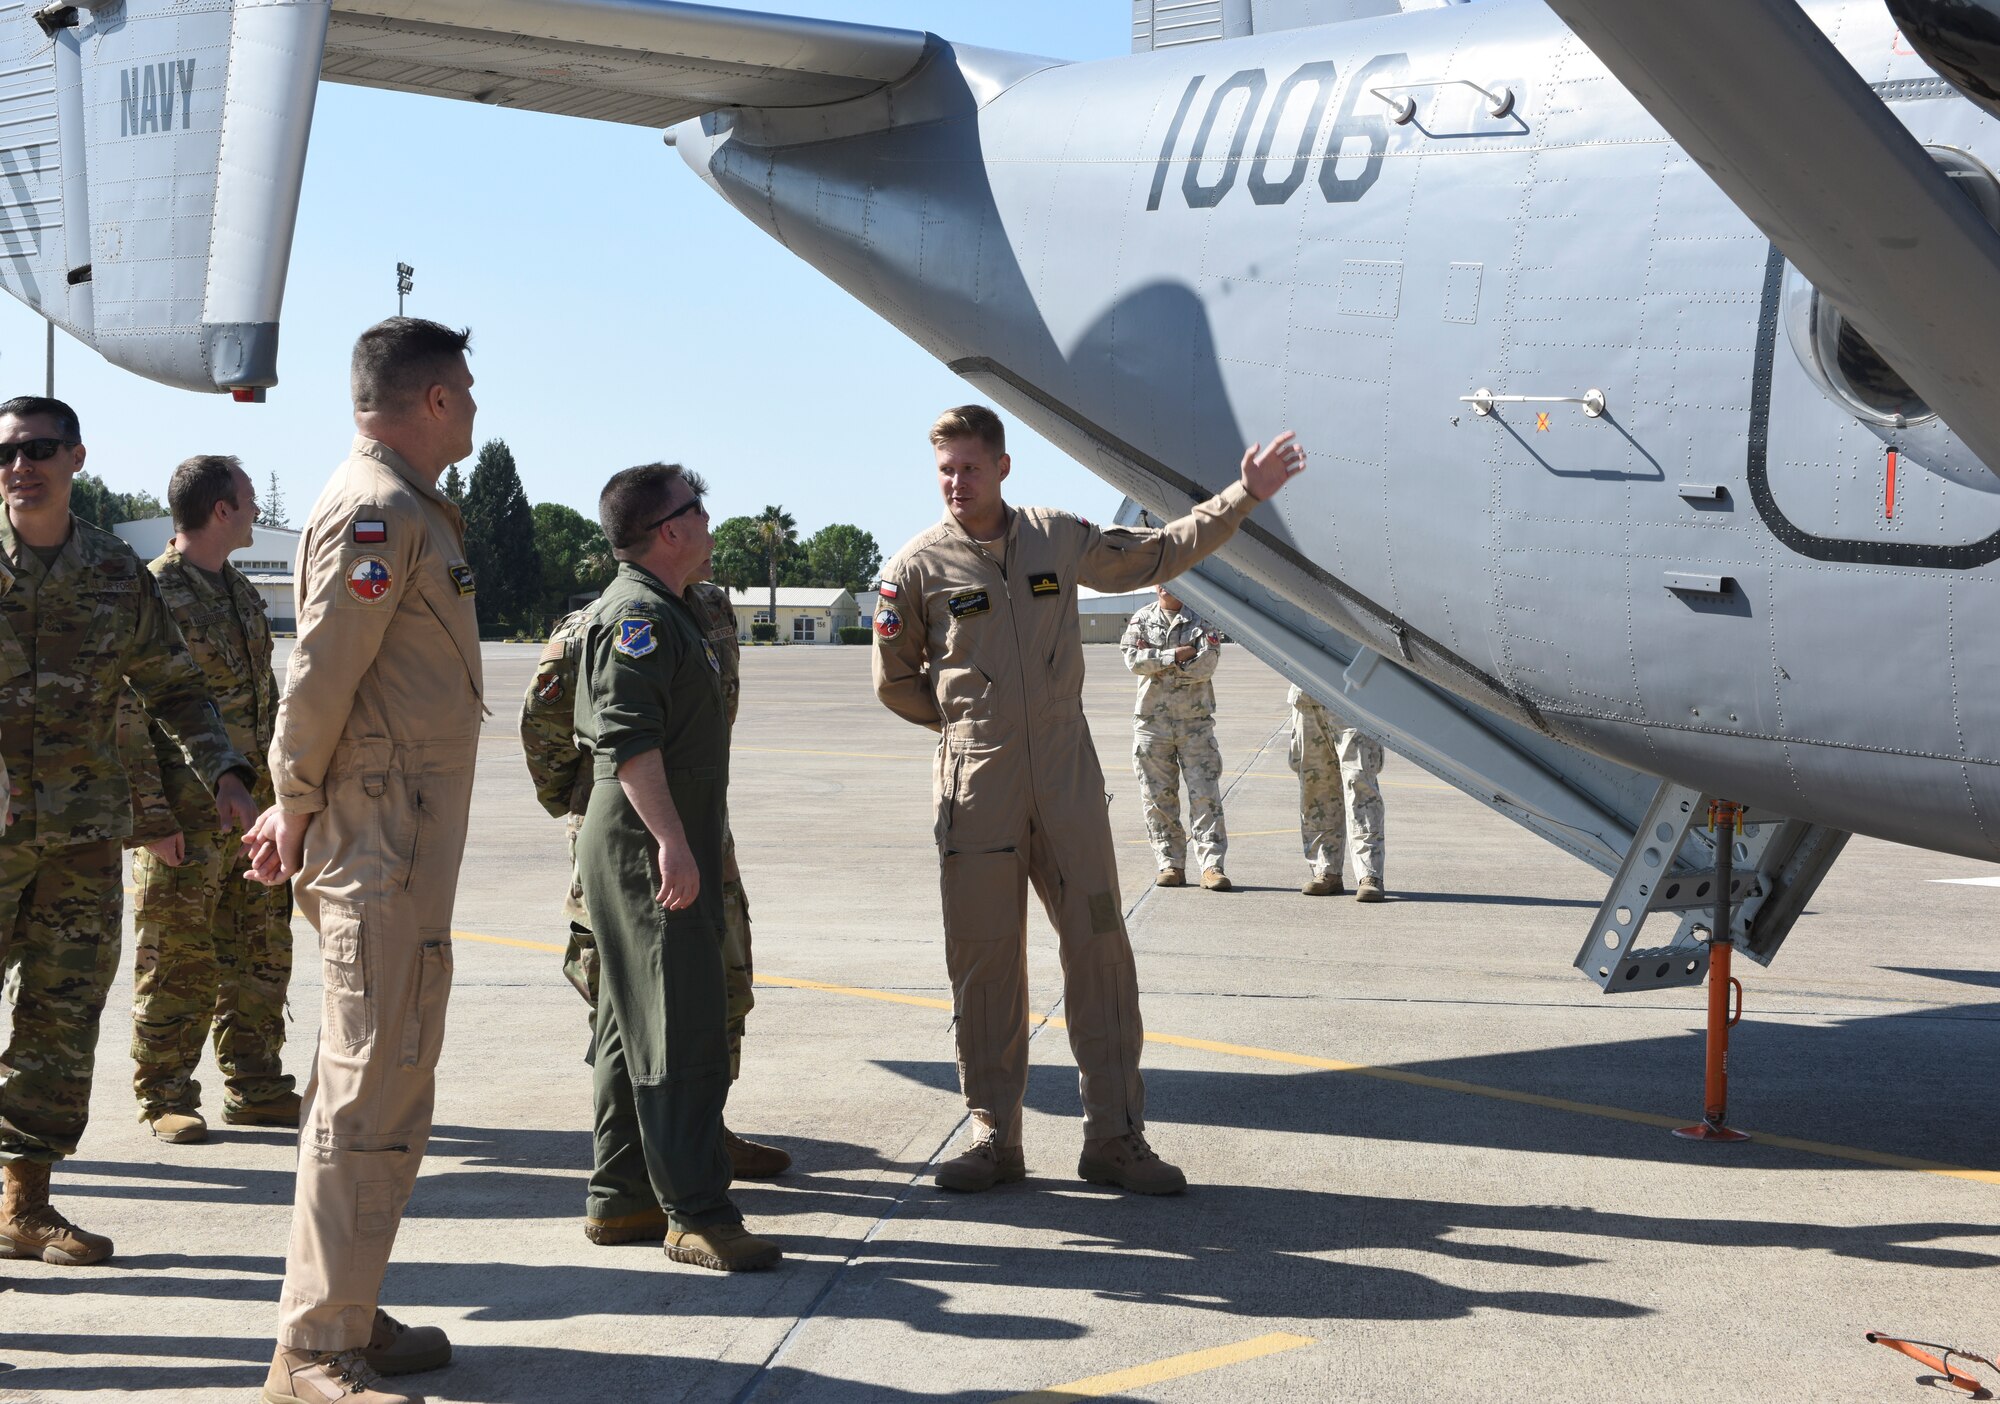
{"x":1960,"y":39}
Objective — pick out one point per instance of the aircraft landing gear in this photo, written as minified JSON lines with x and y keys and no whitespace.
{"x":1721,"y":945}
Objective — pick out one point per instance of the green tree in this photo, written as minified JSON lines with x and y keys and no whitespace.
{"x":271,"y":511}
{"x":500,"y":541}
{"x":575,"y":558}
{"x":843,"y":557}
{"x":453,"y":485}
{"x":738,"y":562}
{"x":93,"y":500}
{"x":777,"y":535}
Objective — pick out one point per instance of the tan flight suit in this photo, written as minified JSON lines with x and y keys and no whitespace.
{"x":980,"y":642}
{"x":377,"y":733}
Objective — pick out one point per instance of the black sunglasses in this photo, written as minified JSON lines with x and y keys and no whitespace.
{"x":34,"y":450}
{"x":693,"y":504}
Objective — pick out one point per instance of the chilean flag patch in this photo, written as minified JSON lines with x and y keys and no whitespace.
{"x":369,"y":533}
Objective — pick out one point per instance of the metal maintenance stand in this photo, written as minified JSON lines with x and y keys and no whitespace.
{"x":1725,"y":820}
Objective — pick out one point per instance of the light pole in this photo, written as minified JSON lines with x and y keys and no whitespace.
{"x":404,"y":274}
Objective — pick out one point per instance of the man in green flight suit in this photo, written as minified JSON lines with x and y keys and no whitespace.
{"x":650,"y":712}
{"x":80,"y":619}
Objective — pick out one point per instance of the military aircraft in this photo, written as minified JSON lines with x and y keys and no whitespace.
{"x":1647,"y":353}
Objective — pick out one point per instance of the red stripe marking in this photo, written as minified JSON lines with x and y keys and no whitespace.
{"x":1889,"y":488}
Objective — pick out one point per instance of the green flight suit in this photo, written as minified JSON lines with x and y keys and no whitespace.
{"x":652,"y":683}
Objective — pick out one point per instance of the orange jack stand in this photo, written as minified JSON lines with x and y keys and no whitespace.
{"x":1715,"y":1087}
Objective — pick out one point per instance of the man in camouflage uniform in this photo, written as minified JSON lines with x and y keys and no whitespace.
{"x":80,"y":619}
{"x":212,"y":947}
{"x":562,"y":779}
{"x":1340,"y":800}
{"x":1173,"y":735}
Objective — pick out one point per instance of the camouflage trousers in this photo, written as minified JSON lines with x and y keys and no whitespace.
{"x":1340,"y":800}
{"x":580,"y":960}
{"x":61,"y":914}
{"x":214,"y":950}
{"x":1164,"y":753}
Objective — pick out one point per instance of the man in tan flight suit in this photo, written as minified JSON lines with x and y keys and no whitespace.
{"x":377,"y":732}
{"x":977,"y":638}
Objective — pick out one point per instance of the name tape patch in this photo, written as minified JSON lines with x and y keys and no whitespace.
{"x":969,"y":602}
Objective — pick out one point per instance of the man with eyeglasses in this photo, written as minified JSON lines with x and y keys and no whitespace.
{"x":80,"y":619}
{"x":651,"y":713}
{"x":372,"y":762}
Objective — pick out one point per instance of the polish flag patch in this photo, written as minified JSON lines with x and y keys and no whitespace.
{"x":371,"y":533}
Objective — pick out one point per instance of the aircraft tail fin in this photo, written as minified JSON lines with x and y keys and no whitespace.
{"x":152,"y":152}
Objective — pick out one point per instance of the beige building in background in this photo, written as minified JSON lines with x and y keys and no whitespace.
{"x":270,"y":562}
{"x":805,"y":616}
{"x":1102,"y":618}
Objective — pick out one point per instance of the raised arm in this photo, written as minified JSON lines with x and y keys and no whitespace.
{"x":1118,"y":559}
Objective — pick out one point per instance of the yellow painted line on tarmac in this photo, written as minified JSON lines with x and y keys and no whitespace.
{"x":1883,"y":1159}
{"x":1174,"y":1367}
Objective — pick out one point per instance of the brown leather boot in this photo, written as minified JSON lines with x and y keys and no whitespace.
{"x":646,"y":1226}
{"x":1328,"y":886}
{"x":1369,"y":889}
{"x":281,"y":1111}
{"x":982,"y":1165}
{"x":1215,"y":880}
{"x":396,"y":1349}
{"x":724,"y":1247}
{"x":178,"y":1128}
{"x":1129,"y":1163}
{"x":1170,"y":877}
{"x":753,"y":1160}
{"x":327,"y":1377}
{"x":30,"y":1227}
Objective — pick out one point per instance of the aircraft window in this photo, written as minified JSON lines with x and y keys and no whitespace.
{"x":1840,"y":360}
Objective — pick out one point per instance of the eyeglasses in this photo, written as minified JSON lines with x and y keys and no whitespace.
{"x":34,"y":450}
{"x":693,"y":504}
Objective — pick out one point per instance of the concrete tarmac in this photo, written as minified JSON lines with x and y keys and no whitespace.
{"x":1429,"y":1160}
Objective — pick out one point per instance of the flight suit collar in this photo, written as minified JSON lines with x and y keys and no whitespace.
{"x":1004,"y":542}
{"x":631,"y":570}
{"x":21,"y":557}
{"x":365,"y":447}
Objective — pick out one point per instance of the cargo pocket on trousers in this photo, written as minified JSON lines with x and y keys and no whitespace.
{"x":423,"y":1031}
{"x":347,"y":1020}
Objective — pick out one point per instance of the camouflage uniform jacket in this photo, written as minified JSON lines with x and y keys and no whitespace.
{"x":559,"y":768}
{"x":230,"y":637}
{"x":1170,"y":691}
{"x":72,"y":636}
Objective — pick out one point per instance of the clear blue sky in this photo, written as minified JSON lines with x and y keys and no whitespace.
{"x":621,"y":312}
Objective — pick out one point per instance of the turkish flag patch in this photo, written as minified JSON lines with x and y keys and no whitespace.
{"x":371,"y":533}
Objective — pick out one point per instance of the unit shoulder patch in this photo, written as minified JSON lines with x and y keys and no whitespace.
{"x":888,"y":624}
{"x":635,"y":638}
{"x":461,"y":576}
{"x":550,"y":688}
{"x":369,"y":579}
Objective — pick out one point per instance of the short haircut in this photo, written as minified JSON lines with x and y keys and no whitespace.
{"x":29,"y":406}
{"x":633,"y":502}
{"x":397,"y":360}
{"x":199,"y":486}
{"x":971,"y":422}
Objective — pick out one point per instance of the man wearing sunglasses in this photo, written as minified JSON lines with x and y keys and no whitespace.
{"x":80,"y":619}
{"x":651,"y":713}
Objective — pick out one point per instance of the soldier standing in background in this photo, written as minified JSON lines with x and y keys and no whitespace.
{"x":1340,"y":800}
{"x":1173,"y":735}
{"x":80,"y":618}
{"x":211,"y":946}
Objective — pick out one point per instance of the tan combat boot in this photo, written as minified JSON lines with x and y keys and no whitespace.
{"x":982,"y":1165}
{"x":724,"y":1247}
{"x":1328,"y":886}
{"x":1215,"y":880}
{"x":30,"y":1227}
{"x":178,"y":1128}
{"x":753,"y":1160}
{"x":1129,"y":1163}
{"x":1170,"y":877}
{"x":327,"y":1377}
{"x":646,"y":1226}
{"x":1369,"y":889}
{"x":283,"y":1111}
{"x":396,"y":1349}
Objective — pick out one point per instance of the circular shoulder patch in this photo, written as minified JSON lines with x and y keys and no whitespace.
{"x":888,"y":623}
{"x":368,"y":579}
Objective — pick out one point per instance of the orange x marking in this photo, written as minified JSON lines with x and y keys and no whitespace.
{"x":1542,"y":422}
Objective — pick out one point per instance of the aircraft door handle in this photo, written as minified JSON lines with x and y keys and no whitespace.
{"x":1483,"y":401}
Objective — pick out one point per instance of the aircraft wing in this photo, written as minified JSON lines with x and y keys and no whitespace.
{"x":643,"y":62}
{"x":1780,"y":119}
{"x":151,"y":151}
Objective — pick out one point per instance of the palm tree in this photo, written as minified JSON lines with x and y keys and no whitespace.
{"x":776,"y":531}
